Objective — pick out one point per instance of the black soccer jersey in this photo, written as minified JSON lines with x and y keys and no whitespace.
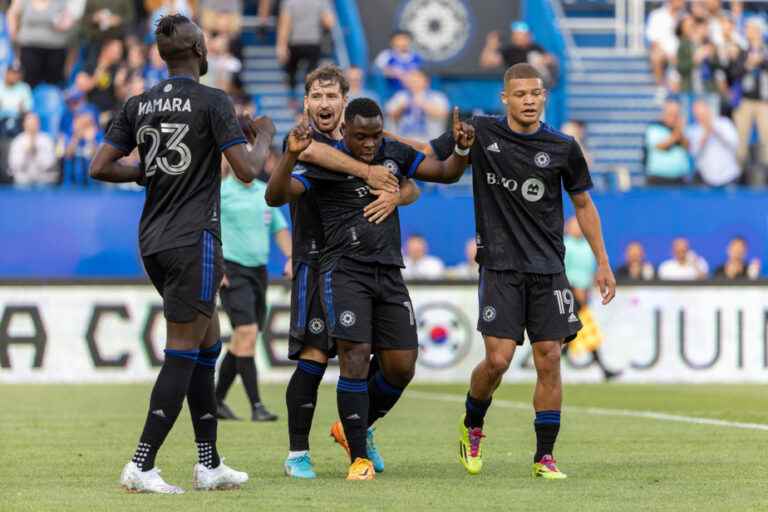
{"x":306,"y":226}
{"x":341,"y":199}
{"x":181,"y":128}
{"x":517,"y":182}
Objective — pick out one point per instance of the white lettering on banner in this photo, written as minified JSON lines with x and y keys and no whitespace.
{"x":654,"y":334}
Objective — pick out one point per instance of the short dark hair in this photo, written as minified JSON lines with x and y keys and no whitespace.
{"x":520,"y":71}
{"x":401,"y":33}
{"x":363,"y":107}
{"x":328,"y":73}
{"x":167,"y":24}
{"x":739,"y":238}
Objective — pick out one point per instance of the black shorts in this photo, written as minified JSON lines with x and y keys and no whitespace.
{"x":245,"y":298}
{"x":187,"y":278}
{"x":541,"y":304}
{"x":369,"y":303}
{"x":308,"y":325}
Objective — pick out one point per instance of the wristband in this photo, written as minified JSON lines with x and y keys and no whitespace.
{"x":460,"y":152}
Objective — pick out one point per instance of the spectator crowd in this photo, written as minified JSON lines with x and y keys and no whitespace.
{"x":72,"y":64}
{"x":711,"y":70}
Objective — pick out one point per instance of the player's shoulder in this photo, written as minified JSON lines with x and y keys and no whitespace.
{"x":391,"y":148}
{"x":555,"y":135}
{"x":480,"y":121}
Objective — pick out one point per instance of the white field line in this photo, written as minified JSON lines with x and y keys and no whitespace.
{"x":599,"y":411}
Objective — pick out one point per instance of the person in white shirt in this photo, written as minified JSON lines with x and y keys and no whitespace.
{"x":32,"y":155}
{"x":685,"y":264}
{"x":419,"y":264}
{"x":714,"y":143}
{"x":418,"y":112}
{"x":469,"y":268}
{"x":660,"y":34}
{"x":15,"y":95}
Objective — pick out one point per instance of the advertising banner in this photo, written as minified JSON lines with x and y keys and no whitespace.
{"x":115,"y":333}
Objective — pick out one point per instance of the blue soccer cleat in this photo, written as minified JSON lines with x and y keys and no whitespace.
{"x":373,"y":453}
{"x":300,"y":467}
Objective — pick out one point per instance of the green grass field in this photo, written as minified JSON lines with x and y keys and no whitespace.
{"x":63,"y":448}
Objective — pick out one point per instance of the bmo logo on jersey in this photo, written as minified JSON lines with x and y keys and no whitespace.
{"x":532,"y":189}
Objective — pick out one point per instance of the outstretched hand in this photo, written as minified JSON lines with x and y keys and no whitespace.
{"x":300,"y":137}
{"x":463,"y":133}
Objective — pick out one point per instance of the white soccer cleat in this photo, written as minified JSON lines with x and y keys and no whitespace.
{"x":135,"y":480}
{"x":220,"y":478}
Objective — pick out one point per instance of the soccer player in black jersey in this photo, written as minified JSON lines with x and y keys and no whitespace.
{"x":309,"y":344}
{"x":181,"y":129}
{"x":366,"y":302}
{"x":520,"y":166}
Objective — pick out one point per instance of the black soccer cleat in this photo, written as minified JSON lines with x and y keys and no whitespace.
{"x":260,"y":413}
{"x":223,"y":412}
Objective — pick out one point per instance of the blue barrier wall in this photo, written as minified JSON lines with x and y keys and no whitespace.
{"x":73,"y":234}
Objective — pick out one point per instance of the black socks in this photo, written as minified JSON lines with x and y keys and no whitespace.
{"x":301,"y":399}
{"x":165,"y":403}
{"x":352,"y":401}
{"x":202,"y":406}
{"x":476,"y":409}
{"x":382,"y":397}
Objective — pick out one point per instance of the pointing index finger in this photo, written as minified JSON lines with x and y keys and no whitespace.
{"x":455,"y":115}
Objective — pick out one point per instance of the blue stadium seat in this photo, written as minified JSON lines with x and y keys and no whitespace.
{"x":48,"y":103}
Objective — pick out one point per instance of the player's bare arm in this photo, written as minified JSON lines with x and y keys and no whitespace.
{"x":450,"y":170}
{"x":386,"y":202}
{"x":589,"y":221}
{"x":105,"y":166}
{"x":375,"y":176}
{"x":248,"y":164}
{"x":282,"y":187}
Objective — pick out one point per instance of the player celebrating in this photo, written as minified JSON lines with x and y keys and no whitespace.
{"x":520,"y":165}
{"x":325,"y":97}
{"x":366,"y":302}
{"x":182,"y":128}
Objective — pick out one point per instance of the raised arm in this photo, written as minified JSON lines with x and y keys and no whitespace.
{"x":589,"y":221}
{"x":282,"y":187}
{"x":450,"y":170}
{"x":323,"y":155}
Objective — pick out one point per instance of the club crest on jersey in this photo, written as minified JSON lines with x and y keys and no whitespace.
{"x":489,"y":313}
{"x":533,"y":189}
{"x":316,"y":326}
{"x":391,"y":165}
{"x":347,"y":318}
{"x":542,"y":159}
{"x":168,"y":88}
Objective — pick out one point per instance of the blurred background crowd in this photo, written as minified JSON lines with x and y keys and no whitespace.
{"x":67,"y":66}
